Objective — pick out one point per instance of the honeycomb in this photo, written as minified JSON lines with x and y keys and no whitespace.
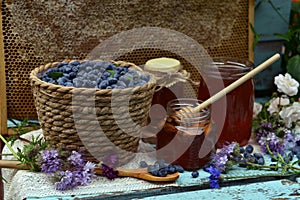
{"x":37,"y":32}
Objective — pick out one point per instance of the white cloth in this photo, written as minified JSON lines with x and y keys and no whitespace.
{"x":22,"y":183}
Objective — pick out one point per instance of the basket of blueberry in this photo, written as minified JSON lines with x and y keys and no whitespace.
{"x":95,"y":107}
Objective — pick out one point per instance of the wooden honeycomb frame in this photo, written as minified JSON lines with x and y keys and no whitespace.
{"x":22,"y":48}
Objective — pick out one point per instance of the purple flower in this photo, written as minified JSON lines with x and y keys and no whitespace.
{"x":214,"y":177}
{"x":78,"y":177}
{"x":66,"y":182}
{"x":73,"y":172}
{"x":214,"y":184}
{"x":51,"y":162}
{"x":76,"y":160}
{"x":221,"y":158}
{"x":275,"y":145}
{"x":215,"y":173}
{"x":109,"y":172}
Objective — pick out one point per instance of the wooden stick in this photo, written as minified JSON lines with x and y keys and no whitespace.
{"x":235,"y":84}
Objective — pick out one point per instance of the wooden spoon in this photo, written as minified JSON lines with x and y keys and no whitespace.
{"x":184,"y":112}
{"x":140,"y":173}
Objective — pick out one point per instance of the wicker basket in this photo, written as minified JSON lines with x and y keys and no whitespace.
{"x":93,"y":121}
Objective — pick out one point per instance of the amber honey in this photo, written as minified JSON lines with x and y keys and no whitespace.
{"x":239,"y":103}
{"x":182,"y":143}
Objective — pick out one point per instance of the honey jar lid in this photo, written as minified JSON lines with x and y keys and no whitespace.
{"x":163,"y":64}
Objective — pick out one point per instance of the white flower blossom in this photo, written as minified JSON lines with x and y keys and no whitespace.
{"x":257,"y":107}
{"x":275,"y":102}
{"x":290,"y":114}
{"x":286,"y":84}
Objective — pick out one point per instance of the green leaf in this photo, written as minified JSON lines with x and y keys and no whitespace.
{"x":112,"y":72}
{"x":282,"y":36}
{"x":293,"y":67}
{"x":56,"y":75}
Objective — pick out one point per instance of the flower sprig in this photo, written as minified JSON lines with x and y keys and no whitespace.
{"x":278,"y":120}
{"x":68,"y":170}
{"x":231,"y":154}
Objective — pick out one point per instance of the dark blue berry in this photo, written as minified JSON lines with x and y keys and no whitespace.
{"x":242,"y":150}
{"x":257,"y":155}
{"x":69,"y":84}
{"x":195,"y":174}
{"x":112,"y":81}
{"x":171,"y":169}
{"x":75,"y":62}
{"x":261,"y":161}
{"x":249,"y":148}
{"x":179,"y":168}
{"x":162,"y":172}
{"x":103,"y":84}
{"x":247,"y":155}
{"x":143,"y":164}
{"x":296,"y":149}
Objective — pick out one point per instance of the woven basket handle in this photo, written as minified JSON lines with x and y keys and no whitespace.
{"x":127,"y":64}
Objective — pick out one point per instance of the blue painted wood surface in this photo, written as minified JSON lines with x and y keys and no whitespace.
{"x":279,"y":189}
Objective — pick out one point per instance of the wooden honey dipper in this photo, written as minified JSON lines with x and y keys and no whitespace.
{"x":184,"y":112}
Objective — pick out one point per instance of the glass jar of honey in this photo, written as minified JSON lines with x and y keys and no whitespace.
{"x":181,"y":140}
{"x":238,"y":103}
{"x":161,"y":67}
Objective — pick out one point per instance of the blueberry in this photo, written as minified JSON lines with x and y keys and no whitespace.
{"x":88,"y":69}
{"x":296,"y":149}
{"x":243,"y":163}
{"x":77,"y":82}
{"x":257,"y":155}
{"x":61,"y":64}
{"x":72,"y":75}
{"x":162,"y":172}
{"x":247,"y":155}
{"x":242,"y":150}
{"x":117,"y":76}
{"x":75,"y":62}
{"x":162,"y":163}
{"x":238,"y":158}
{"x":112,"y":81}
{"x":152,"y":168}
{"x":124,"y":79}
{"x":68,"y":84}
{"x":140,"y":83}
{"x":103,"y":84}
{"x":195,"y":174}
{"x":145,"y":77}
{"x":110,"y":67}
{"x":249,"y":148}
{"x":261,"y":161}
{"x":291,"y":156}
{"x":67,"y":68}
{"x":131,"y":84}
{"x":143,"y":164}
{"x":121,"y":83}
{"x":179,"y":168}
{"x":105,"y":75}
{"x":171,"y":169}
{"x":298,"y":156}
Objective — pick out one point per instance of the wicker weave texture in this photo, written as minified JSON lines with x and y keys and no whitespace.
{"x":39,"y":32}
{"x":95,"y":121}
